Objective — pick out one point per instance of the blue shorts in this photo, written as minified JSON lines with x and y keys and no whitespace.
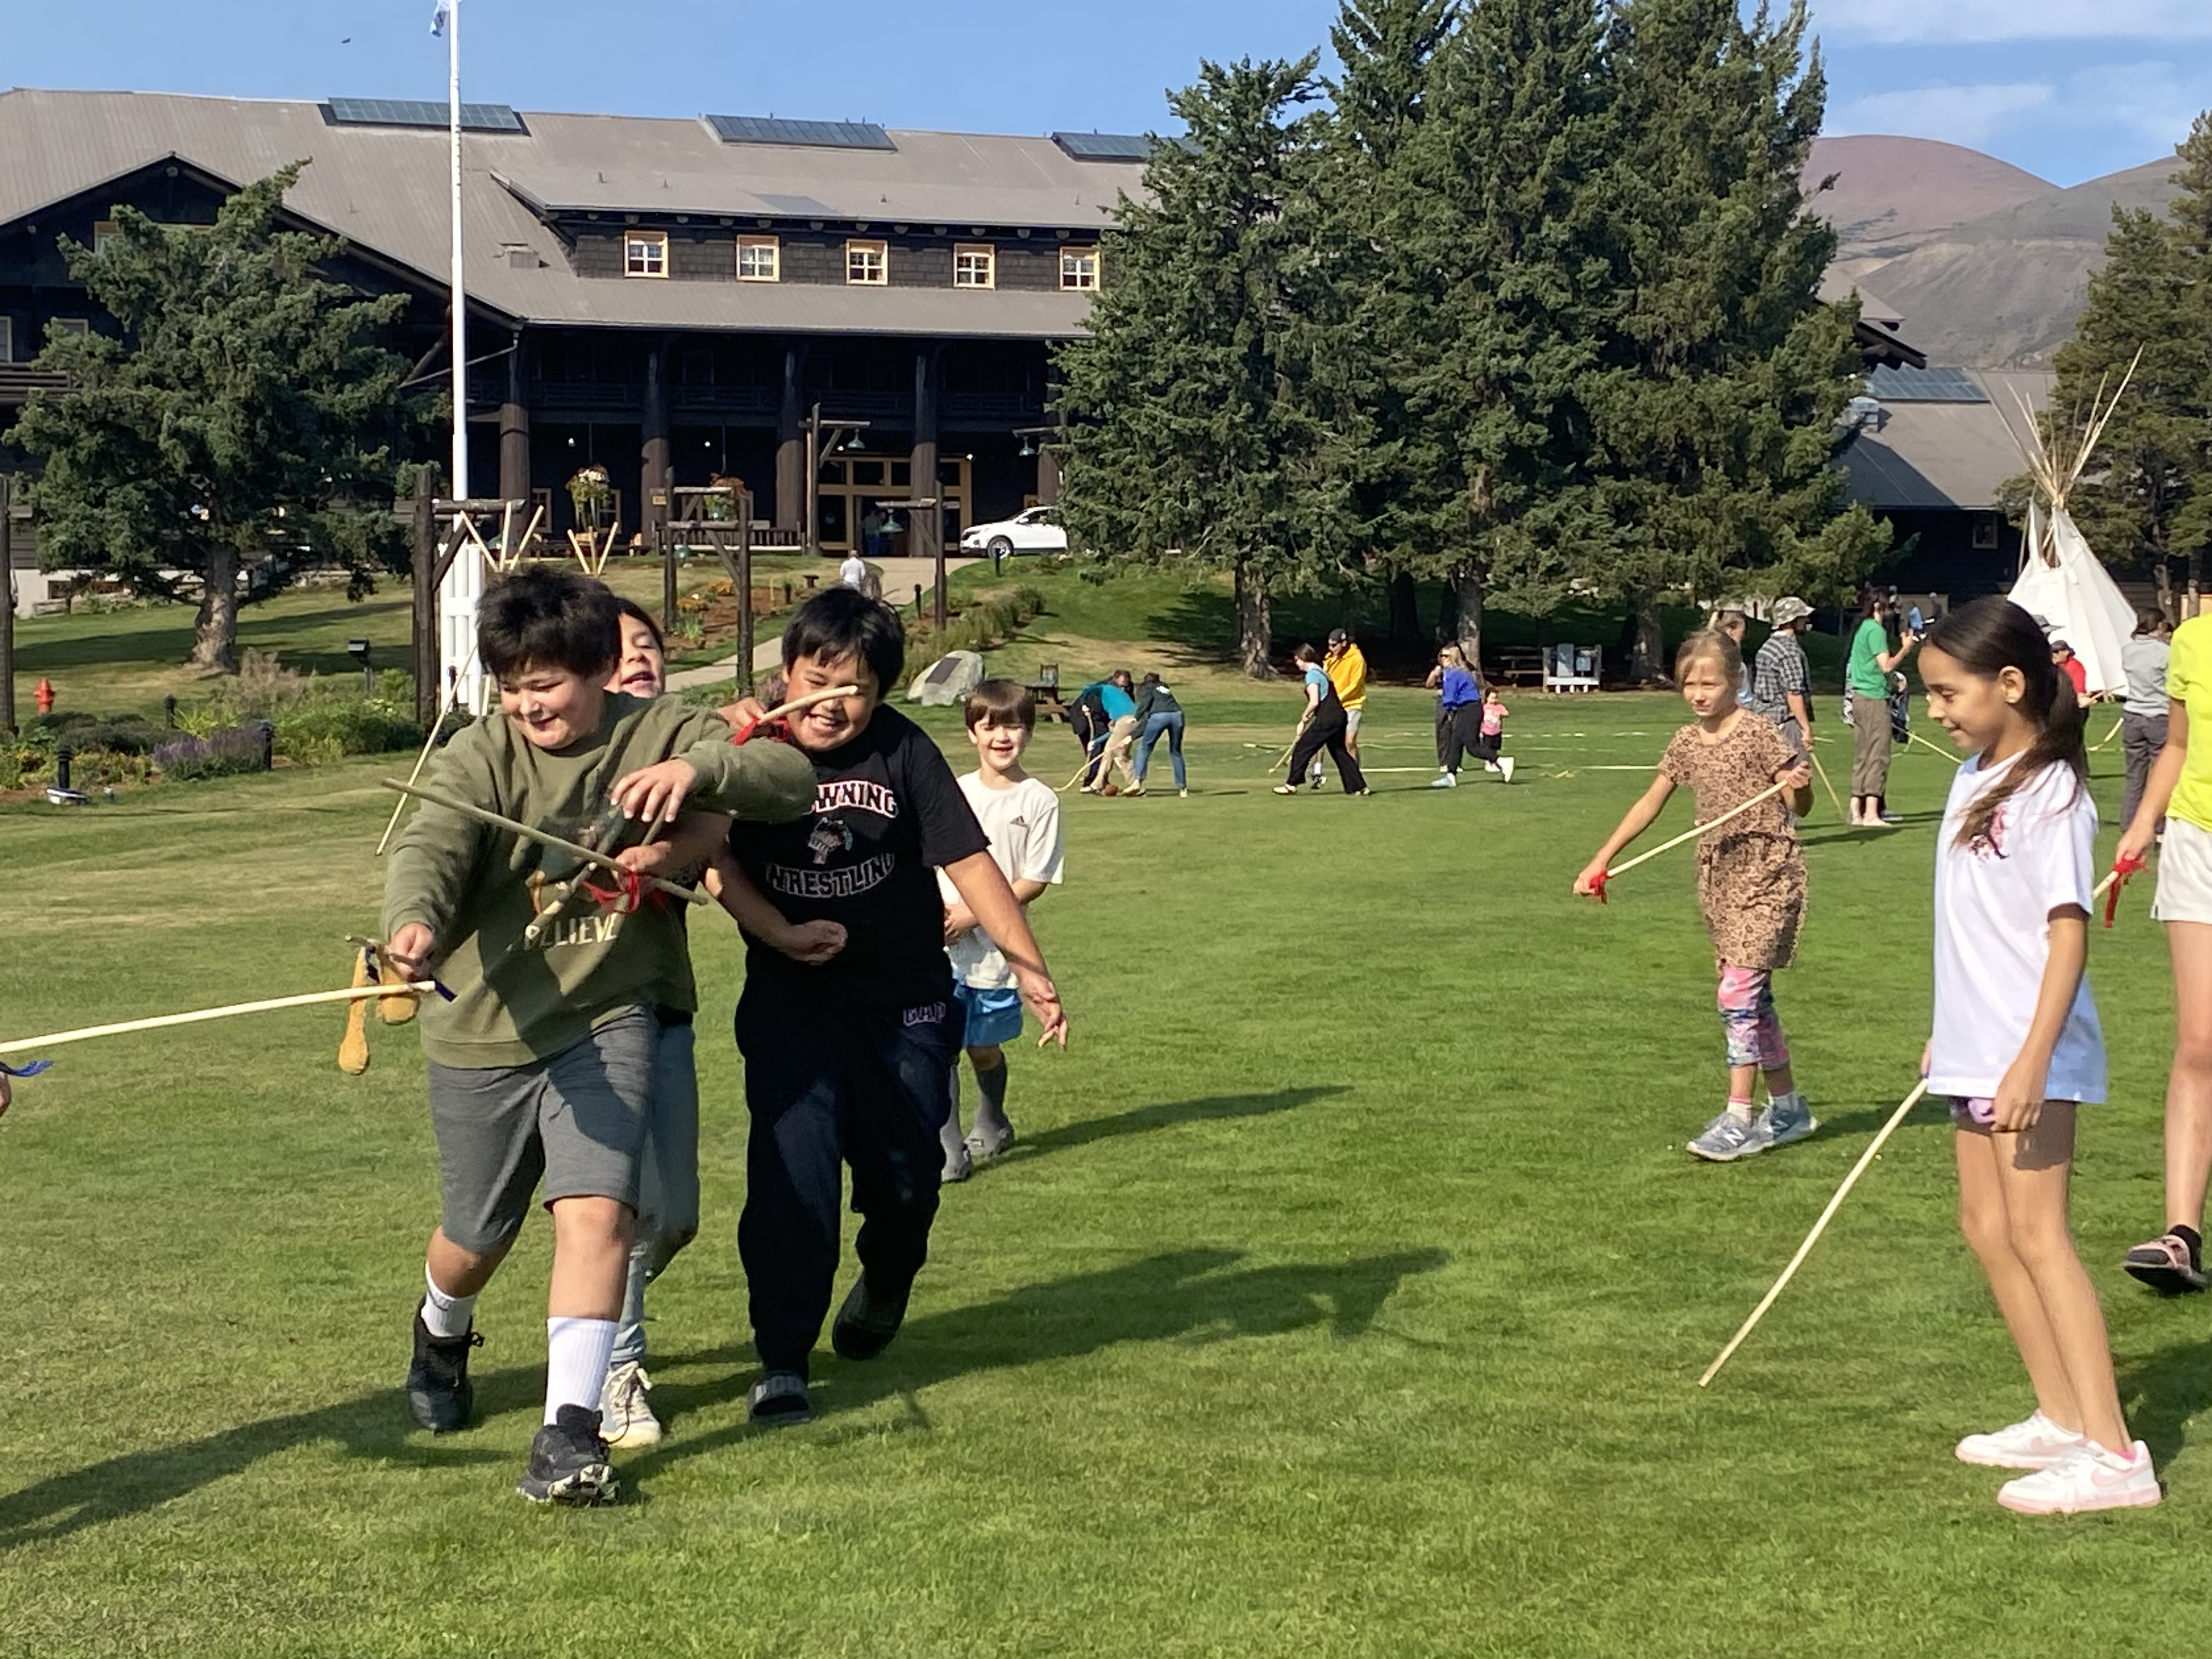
{"x":993,"y":1017}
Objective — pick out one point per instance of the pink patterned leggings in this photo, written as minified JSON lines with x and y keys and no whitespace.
{"x":1754,"y":1030}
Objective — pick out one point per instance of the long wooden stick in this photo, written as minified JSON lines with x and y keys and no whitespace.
{"x":356,"y":994}
{"x":545,"y":838}
{"x":1695,"y":831}
{"x":1836,"y":800}
{"x":1819,"y":1227}
{"x":807,"y":701}
{"x":453,"y":694}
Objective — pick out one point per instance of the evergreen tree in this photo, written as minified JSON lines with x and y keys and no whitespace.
{"x":1463,"y":141}
{"x":1714,"y":413}
{"x":1190,"y":431}
{"x":245,"y":418}
{"x":2147,"y":497}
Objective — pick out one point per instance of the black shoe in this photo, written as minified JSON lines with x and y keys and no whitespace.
{"x":568,"y":1461}
{"x":779,"y":1400}
{"x":438,"y":1390}
{"x":867,"y":1322}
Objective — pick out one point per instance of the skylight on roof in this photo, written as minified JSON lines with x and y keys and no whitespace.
{"x":418,"y":112}
{"x":1924,"y":385}
{"x":1105,"y":146}
{"x":819,"y":135}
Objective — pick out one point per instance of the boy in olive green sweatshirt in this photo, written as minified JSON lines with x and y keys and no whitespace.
{"x":542,"y":1065}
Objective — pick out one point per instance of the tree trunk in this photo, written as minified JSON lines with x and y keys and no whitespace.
{"x":1467,"y":597}
{"x":215,"y":634}
{"x":1647,"y":659}
{"x":1255,"y":634}
{"x":1405,"y":609}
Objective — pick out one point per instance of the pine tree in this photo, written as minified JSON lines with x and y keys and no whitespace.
{"x":245,"y":417}
{"x":1189,"y":432}
{"x":2148,"y":497}
{"x":1723,"y":376}
{"x":1463,"y":141}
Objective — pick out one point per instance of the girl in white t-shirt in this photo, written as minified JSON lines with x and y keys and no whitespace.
{"x":2017,"y":1047}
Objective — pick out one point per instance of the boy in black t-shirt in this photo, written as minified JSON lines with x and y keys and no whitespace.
{"x":854,"y":1055}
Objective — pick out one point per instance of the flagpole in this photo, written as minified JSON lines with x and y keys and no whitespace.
{"x":464,"y":585}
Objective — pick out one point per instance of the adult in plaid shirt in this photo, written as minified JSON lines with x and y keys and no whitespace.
{"x":1781,"y":682}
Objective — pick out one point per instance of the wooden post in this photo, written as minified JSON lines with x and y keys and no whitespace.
{"x":429,"y":695}
{"x":666,"y":534}
{"x":744,"y":593}
{"x":7,"y":603}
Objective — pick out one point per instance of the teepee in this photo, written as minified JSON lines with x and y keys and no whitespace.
{"x":2061,"y":580}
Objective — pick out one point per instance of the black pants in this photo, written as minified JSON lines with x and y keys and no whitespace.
{"x":1324,"y":733}
{"x":827,"y":1081}
{"x":1459,"y":733}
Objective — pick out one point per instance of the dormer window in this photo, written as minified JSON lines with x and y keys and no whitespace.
{"x":758,"y":259}
{"x":1078,"y":268}
{"x":867,"y":264}
{"x":974,"y":264}
{"x":645,"y":253}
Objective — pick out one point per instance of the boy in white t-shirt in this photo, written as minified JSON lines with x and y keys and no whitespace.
{"x":1021,"y":816}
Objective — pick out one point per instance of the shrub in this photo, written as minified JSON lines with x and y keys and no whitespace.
{"x":235,"y":748}
{"x":987,"y":619}
{"x":328,"y":727}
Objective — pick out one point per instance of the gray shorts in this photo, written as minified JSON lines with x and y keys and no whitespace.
{"x":577,"y":1121}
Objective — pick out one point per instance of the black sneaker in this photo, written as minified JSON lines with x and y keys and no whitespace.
{"x":438,"y":1390}
{"x":568,"y":1461}
{"x":779,"y":1400}
{"x":867,"y":1322}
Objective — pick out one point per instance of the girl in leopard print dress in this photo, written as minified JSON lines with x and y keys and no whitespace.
{"x":1750,"y":886}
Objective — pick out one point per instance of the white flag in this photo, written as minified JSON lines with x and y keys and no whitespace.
{"x":440,"y":18}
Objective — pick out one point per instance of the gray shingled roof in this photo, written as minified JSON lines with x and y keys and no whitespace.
{"x":1945,"y":457}
{"x":385,"y":190}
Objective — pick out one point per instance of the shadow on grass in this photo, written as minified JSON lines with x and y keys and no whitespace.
{"x":1185,"y":1297}
{"x":375,"y":1426}
{"x":2163,"y":1392}
{"x":1143,"y":1119}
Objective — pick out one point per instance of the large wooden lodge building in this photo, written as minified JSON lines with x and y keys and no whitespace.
{"x":668,"y":298}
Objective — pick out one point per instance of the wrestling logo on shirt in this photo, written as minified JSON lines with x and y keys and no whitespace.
{"x":829,"y":836}
{"x":856,"y":795}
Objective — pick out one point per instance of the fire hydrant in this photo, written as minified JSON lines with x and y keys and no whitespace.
{"x":46,"y":695}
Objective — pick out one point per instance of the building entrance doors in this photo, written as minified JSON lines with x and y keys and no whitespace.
{"x":852,"y":484}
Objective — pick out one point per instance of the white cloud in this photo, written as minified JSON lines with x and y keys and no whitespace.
{"x":2147,"y":102}
{"x":1959,"y":115}
{"x":1932,"y":21}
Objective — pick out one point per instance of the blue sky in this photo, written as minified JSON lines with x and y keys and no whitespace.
{"x":2067,"y":89}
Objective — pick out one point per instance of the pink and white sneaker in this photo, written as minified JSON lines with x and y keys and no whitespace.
{"x":2034,"y":1443}
{"x":2091,"y":1478}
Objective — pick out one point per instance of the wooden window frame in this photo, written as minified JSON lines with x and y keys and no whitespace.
{"x":989,"y":254}
{"x":775,"y":246}
{"x":7,"y":339}
{"x":1096,"y":270}
{"x":633,"y":239}
{"x":105,"y":230}
{"x":854,"y":248}
{"x":74,"y":324}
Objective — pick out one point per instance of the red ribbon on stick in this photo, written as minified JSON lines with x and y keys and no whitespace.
{"x":2123,"y":869}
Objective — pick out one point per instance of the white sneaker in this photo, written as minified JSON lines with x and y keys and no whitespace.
{"x":1445,"y":780}
{"x":1505,"y":769}
{"x":2033,"y":1442}
{"x":625,"y":1418}
{"x":2089,"y":1478}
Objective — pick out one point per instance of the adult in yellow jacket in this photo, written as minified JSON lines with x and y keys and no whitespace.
{"x":1347,"y":668}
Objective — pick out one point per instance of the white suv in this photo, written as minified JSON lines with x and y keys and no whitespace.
{"x":1035,"y":531}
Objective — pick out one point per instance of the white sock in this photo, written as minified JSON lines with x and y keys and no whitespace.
{"x":576,"y":1355}
{"x":445,"y":1315}
{"x":1742,"y":1110}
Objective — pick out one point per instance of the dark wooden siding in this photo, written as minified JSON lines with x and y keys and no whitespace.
{"x":1025,"y":265}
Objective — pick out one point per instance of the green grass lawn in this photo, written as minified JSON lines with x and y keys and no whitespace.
{"x":125,"y":661}
{"x":1343,"y":1296}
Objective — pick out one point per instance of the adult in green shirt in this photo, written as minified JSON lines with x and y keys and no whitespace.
{"x":1866,"y":677}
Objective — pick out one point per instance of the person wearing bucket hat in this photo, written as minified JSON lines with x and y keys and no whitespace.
{"x":1782,"y":680}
